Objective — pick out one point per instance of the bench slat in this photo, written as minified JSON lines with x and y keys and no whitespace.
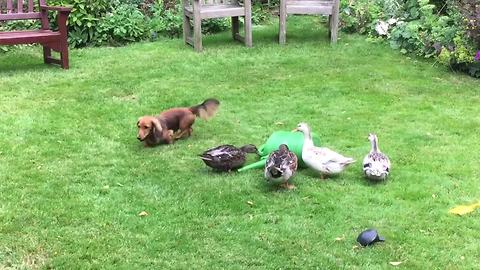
{"x":30,"y":5}
{"x":27,"y":37}
{"x":19,"y":16}
{"x":9,"y":6}
{"x":19,"y":6}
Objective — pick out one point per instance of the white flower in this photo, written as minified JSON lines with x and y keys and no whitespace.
{"x":382,"y":28}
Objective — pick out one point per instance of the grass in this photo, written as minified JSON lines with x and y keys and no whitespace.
{"x":74,"y":178}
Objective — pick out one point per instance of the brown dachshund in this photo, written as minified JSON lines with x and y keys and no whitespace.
{"x":174,"y":123}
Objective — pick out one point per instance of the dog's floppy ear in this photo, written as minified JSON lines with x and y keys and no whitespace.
{"x":156,"y":124}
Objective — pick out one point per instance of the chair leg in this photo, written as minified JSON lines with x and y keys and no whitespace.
{"x":248,"y":27}
{"x":334,"y":29}
{"x":329,"y":25}
{"x":235,"y":28}
{"x":282,"y":31}
{"x":187,"y":32}
{"x":47,"y":54}
{"x":334,"y":22}
{"x":197,"y":33}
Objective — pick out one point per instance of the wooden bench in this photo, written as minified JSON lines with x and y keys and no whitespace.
{"x":328,"y":8}
{"x":198,"y":10}
{"x":48,"y":38}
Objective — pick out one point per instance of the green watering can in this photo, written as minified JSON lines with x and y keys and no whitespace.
{"x":294,"y":141}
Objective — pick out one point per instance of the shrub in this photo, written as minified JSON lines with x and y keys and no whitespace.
{"x":166,"y":20}
{"x":125,"y":24}
{"x":84,"y":19}
{"x":445,"y":29}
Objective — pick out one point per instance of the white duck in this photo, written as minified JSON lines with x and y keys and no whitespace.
{"x":321,"y":159}
{"x":376,"y":165}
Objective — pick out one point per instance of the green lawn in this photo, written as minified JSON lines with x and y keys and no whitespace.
{"x":74,"y":177}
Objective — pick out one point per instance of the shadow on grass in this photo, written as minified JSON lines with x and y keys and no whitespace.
{"x":298,"y":32}
{"x":15,"y":62}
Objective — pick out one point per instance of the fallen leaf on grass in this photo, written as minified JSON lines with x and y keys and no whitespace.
{"x":143,"y":214}
{"x":464,"y":209}
{"x":250,"y":203}
{"x":279,"y":123}
{"x":395,"y":263}
{"x":340,"y":238}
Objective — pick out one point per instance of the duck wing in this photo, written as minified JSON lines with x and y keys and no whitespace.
{"x":376,"y":158}
{"x":329,"y":156}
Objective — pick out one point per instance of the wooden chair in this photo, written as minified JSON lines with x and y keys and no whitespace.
{"x":330,"y":8}
{"x":50,"y":40}
{"x":198,"y":10}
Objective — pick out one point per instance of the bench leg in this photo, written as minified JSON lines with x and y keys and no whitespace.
{"x":64,"y":57}
{"x":47,"y":55}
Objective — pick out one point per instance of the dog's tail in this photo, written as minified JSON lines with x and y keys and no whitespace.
{"x":207,"y":109}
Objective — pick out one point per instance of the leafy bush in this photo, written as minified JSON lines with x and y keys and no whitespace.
{"x":84,"y":19}
{"x":125,"y":24}
{"x":445,"y":29}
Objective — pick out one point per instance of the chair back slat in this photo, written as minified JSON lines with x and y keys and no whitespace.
{"x":19,"y":10}
{"x":310,"y":2}
{"x":219,"y":2}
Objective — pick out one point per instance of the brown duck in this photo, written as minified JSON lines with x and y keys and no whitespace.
{"x":280,"y":167}
{"x":227,"y":157}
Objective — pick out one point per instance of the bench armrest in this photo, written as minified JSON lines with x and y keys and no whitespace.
{"x":54,"y":8}
{"x":62,"y":17}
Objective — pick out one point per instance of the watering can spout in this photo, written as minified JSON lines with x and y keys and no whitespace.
{"x":255,"y":165}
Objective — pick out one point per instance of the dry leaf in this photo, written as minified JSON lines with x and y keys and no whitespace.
{"x":143,"y":214}
{"x":250,"y":203}
{"x":464,"y":209}
{"x":279,"y":123}
{"x":340,"y":238}
{"x":433,"y":196}
{"x":395,"y":263}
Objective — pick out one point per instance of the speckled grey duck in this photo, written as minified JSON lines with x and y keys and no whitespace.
{"x":280,"y":167}
{"x":376,"y":165}
{"x":227,"y":157}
